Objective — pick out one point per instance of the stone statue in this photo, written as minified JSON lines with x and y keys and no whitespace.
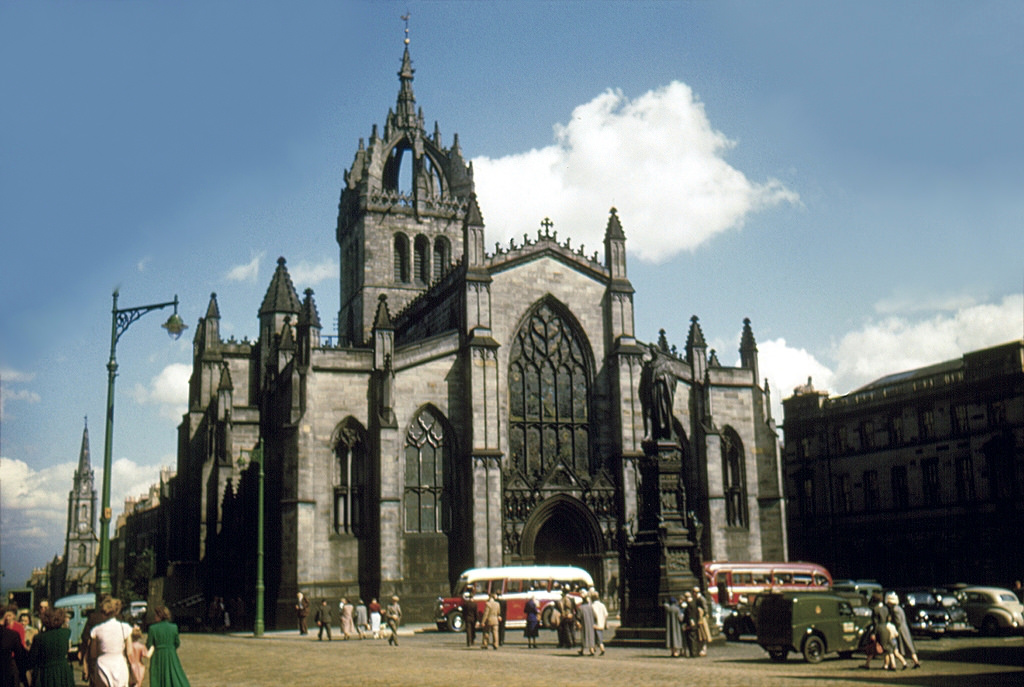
{"x":657,"y":392}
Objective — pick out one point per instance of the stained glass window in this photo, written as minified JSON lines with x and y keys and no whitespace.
{"x":548,"y":396}
{"x":428,"y":475}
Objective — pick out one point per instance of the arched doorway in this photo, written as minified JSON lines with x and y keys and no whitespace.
{"x":563,"y":531}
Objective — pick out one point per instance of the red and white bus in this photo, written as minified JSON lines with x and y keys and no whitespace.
{"x":735,"y":582}
{"x":514,"y":585}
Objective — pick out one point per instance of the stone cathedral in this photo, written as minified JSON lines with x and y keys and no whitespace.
{"x":475,"y":408}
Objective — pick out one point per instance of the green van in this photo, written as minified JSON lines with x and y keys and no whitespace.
{"x":811,"y":623}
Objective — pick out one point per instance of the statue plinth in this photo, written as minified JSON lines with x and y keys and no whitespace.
{"x":661,"y":558}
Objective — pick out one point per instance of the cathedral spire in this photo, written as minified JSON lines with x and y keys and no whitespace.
{"x":84,"y":462}
{"x":405,"y":110}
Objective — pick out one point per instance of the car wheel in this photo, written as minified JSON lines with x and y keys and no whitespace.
{"x":455,"y":621}
{"x":778,"y":655}
{"x":731,"y":632}
{"x":990,"y":626}
{"x":814,"y":649}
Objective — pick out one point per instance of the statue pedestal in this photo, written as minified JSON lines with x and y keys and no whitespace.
{"x":662,"y":558}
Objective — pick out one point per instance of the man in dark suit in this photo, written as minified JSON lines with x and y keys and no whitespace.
{"x":301,"y":611}
{"x":468,"y":609}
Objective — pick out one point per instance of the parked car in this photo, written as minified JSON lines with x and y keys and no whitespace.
{"x":811,"y":623}
{"x":992,"y":609}
{"x":863,"y":588}
{"x":931,"y":614}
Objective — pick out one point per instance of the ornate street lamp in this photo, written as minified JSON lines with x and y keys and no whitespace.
{"x":121,"y":319}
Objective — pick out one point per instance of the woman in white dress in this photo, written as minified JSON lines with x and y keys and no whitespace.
{"x":108,"y":641}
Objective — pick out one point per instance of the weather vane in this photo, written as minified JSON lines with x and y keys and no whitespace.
{"x":405,"y":18}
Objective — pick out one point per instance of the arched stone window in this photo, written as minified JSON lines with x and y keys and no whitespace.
{"x":82,"y":554}
{"x":428,"y":474}
{"x":442,"y":256}
{"x":350,"y":478}
{"x":734,"y":474}
{"x":549,"y":391}
{"x":401,"y":258}
{"x":421,"y":260}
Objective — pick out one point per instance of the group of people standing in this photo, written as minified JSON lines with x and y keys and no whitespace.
{"x":687,"y":632}
{"x":357,"y":619}
{"x":890,"y":634}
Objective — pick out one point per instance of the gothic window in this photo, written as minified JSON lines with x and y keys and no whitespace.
{"x":734,"y":473}
{"x":82,"y":554}
{"x":401,"y":258}
{"x":421,"y":260}
{"x":442,"y":256}
{"x":549,"y":391}
{"x":428,"y":475}
{"x":350,"y":479}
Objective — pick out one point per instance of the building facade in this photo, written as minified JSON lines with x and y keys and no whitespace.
{"x":917,"y":478}
{"x":475,"y":408}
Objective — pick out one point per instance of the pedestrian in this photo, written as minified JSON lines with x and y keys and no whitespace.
{"x":899,"y":619}
{"x":703,"y":627}
{"x":375,"y":614}
{"x":163,"y":641}
{"x":347,"y":625}
{"x":468,"y":609}
{"x":567,"y":623}
{"x":691,"y":620}
{"x":673,"y":627}
{"x":600,"y":619}
{"x":301,"y":611}
{"x":136,"y":650}
{"x":10,"y":621}
{"x":109,"y":641}
{"x":85,"y":659}
{"x":30,"y":629}
{"x":1018,"y":590}
{"x":323,"y":621}
{"x":394,"y":619}
{"x":362,"y":619}
{"x":48,"y":656}
{"x":585,"y":618}
{"x":502,"y":616}
{"x":14,"y":659}
{"x":532,"y":623}
{"x":489,"y":623}
{"x":884,"y":633}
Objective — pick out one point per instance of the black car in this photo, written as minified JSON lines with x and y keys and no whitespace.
{"x":931,"y":613}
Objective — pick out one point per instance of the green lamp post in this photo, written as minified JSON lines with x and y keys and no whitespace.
{"x":121,"y":319}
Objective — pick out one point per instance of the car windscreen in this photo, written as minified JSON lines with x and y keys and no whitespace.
{"x":921,"y":599}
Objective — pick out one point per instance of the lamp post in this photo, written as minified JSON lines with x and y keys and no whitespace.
{"x":258,"y":625}
{"x":120,"y":320}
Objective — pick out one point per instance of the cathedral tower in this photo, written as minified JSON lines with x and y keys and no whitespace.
{"x":81,"y":543}
{"x":400,"y":218}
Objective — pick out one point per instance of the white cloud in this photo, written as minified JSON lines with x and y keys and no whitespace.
{"x":305,"y":274}
{"x":246,"y":272}
{"x":169,"y":390}
{"x":144,"y":263}
{"x":894,"y":344}
{"x":36,"y":501}
{"x":656,"y":159}
{"x":890,"y":345}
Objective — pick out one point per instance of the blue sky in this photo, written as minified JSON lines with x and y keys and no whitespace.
{"x":848,"y":175}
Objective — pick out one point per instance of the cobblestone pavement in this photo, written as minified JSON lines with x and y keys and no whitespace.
{"x":428,"y":657}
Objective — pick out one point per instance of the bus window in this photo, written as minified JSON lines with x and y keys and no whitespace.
{"x":513,"y":586}
{"x":820,"y":580}
{"x":783,"y":578}
{"x":742,"y":578}
{"x":491,"y":586}
{"x":538,"y":586}
{"x":802,"y":579}
{"x":762,"y":578}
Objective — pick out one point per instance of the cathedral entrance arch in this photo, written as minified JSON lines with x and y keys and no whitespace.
{"x":563,"y":531}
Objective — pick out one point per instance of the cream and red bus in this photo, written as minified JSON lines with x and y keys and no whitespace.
{"x":514,"y":585}
{"x":732,"y":583}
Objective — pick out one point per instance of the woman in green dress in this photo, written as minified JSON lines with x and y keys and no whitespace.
{"x":162,"y":639}
{"x":48,"y":657}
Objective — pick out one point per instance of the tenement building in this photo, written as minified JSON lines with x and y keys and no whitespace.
{"x":476,"y":408}
{"x":916,"y":478}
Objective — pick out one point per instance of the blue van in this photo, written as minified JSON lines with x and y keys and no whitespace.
{"x":78,"y":607}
